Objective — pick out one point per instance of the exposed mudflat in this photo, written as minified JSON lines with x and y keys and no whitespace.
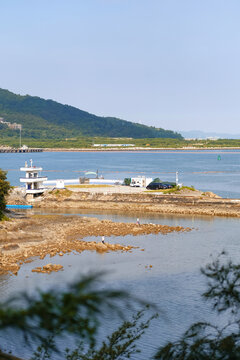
{"x":39,"y":235}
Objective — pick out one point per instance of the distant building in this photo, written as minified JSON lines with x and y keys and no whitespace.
{"x":213,"y":138}
{"x":13,"y":126}
{"x":113,"y":145}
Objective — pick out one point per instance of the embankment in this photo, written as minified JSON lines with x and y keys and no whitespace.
{"x":190,"y":204}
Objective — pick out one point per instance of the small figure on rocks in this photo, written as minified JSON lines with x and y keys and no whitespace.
{"x":138,"y":222}
{"x":103,"y":240}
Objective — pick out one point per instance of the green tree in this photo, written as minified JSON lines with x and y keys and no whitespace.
{"x":4,"y":189}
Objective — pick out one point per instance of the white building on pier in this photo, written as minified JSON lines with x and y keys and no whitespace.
{"x":33,"y":182}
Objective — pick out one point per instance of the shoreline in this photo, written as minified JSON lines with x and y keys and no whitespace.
{"x":186,"y":202}
{"x":136,"y":149}
{"x":42,"y":235}
{"x":133,"y":200}
{"x":22,"y":239}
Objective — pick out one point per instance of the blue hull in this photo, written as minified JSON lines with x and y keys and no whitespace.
{"x":19,"y":206}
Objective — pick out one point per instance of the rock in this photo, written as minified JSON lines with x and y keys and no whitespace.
{"x":101,"y":247}
{"x":10,"y":247}
{"x":211,"y":195}
{"x":48,"y":268}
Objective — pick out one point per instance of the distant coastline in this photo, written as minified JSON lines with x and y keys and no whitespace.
{"x":137,"y":149}
{"x":9,"y":149}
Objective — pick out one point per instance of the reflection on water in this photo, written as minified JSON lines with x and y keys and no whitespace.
{"x":173,"y":283}
{"x":121,"y":216}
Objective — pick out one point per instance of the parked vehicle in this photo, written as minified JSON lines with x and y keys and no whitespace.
{"x":140,"y":181}
{"x":158,"y":186}
{"x":168,"y":186}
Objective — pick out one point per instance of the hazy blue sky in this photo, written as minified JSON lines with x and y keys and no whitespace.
{"x":169,"y":63}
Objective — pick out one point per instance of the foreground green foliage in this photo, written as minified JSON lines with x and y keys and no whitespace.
{"x":4,"y":189}
{"x":206,"y":341}
{"x":119,"y":345}
{"x":77,"y":311}
{"x":47,"y":119}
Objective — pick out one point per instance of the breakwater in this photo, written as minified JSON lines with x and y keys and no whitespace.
{"x":143,"y":202}
{"x":17,"y":150}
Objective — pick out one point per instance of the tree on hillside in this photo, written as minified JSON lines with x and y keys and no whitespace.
{"x":49,"y":119}
{"x":4,"y":189}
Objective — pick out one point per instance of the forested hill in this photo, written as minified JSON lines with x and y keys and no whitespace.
{"x":48,"y":119}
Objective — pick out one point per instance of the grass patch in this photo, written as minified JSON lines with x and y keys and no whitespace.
{"x":174,"y":190}
{"x":189,"y":187}
{"x":61,"y":192}
{"x":178,"y":189}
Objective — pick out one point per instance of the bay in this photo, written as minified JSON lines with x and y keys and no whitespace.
{"x":174,"y":282}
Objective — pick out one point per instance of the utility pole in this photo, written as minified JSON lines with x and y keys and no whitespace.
{"x":20,"y":128}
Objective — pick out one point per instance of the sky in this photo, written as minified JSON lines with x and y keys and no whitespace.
{"x":173,"y":64}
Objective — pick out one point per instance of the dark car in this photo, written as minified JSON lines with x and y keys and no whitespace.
{"x":159,"y":185}
{"x":168,"y":186}
{"x":156,"y":186}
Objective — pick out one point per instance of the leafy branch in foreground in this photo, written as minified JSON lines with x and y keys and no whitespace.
{"x":119,"y":345}
{"x":77,"y":311}
{"x":223,"y":284}
{"x":203,"y":340}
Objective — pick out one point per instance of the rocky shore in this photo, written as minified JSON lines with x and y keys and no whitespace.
{"x":40,"y":235}
{"x":21,"y":239}
{"x":134,"y":200}
{"x":185,"y":202}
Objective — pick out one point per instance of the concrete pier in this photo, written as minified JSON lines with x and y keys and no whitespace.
{"x":16,"y":150}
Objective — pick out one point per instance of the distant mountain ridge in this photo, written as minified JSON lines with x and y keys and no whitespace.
{"x":198,"y":134}
{"x":48,"y":119}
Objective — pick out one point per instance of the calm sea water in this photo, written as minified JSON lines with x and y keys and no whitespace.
{"x":202,"y":169}
{"x":174,"y":282}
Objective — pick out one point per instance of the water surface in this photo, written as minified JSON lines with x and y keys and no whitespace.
{"x":174,"y":282}
{"x":201,"y":168}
